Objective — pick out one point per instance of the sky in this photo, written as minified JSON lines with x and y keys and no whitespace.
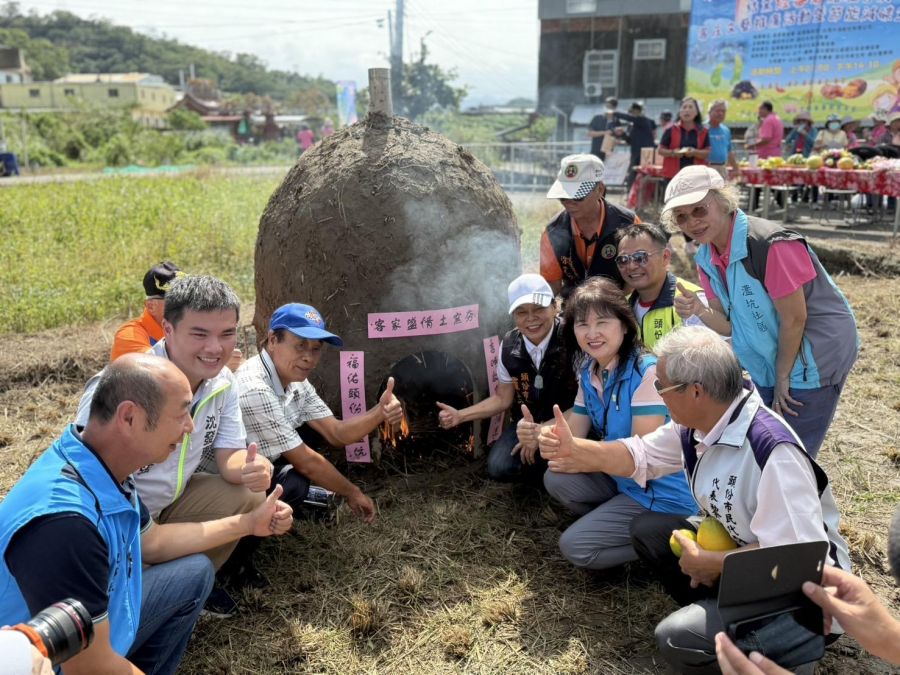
{"x":493,"y":46}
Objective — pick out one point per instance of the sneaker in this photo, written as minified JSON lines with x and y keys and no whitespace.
{"x":219,"y":604}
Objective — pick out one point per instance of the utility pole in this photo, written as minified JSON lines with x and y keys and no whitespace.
{"x":395,"y":31}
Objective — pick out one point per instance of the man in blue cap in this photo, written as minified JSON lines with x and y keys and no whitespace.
{"x":277,"y":398}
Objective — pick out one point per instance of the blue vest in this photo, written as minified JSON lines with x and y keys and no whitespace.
{"x":68,"y":477}
{"x":830,"y":341}
{"x":611,"y":419}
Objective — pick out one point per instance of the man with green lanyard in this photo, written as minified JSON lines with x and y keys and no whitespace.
{"x":213,"y":473}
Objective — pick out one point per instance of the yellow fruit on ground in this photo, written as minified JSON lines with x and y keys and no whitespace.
{"x":675,"y":546}
{"x":712,"y":536}
{"x":846,"y":163}
{"x":814,"y":162}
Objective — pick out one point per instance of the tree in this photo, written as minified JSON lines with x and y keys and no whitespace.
{"x":426,"y":87}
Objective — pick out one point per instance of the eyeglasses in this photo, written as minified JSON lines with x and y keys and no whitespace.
{"x":638,"y":257}
{"x":664,"y":390}
{"x":698,"y":211}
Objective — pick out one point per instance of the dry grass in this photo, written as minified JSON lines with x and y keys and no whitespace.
{"x":459,"y":575}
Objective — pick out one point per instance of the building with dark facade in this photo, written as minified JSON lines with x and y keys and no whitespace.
{"x":630,"y":49}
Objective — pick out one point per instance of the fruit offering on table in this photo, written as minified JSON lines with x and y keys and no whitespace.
{"x":839,"y":159}
{"x":815,"y":162}
{"x":771,"y":163}
{"x":796,"y":160}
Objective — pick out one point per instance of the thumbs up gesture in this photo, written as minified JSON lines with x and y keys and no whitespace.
{"x":686,"y":303}
{"x":558,"y":445}
{"x":256,"y":474}
{"x":528,"y":431}
{"x":448,"y":417}
{"x":391,"y":410}
{"x":272,"y":516}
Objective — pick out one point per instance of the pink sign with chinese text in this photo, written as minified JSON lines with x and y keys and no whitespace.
{"x":353,"y":400}
{"x":491,"y":355}
{"x":424,"y":322}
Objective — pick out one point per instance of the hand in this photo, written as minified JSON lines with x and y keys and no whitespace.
{"x":556,"y":441}
{"x":527,"y":455}
{"x":732,"y":660}
{"x":850,"y":600}
{"x":271,"y":517}
{"x":527,"y":431}
{"x":781,"y":397}
{"x":237,"y":358}
{"x":391,"y":410}
{"x":362,"y":506}
{"x":448,"y":417}
{"x":703,"y":567}
{"x":256,"y":474}
{"x":687,"y":304}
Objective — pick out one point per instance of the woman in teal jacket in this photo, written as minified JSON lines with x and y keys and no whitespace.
{"x":616,"y":399}
{"x":791,"y":328}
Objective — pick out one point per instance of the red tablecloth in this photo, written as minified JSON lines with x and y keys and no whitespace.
{"x":641,"y":192}
{"x":875,"y":182}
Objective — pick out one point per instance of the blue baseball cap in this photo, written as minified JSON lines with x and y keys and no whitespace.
{"x":304,"y":321}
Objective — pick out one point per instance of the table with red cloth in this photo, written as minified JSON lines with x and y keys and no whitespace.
{"x":878,"y":182}
{"x":642,"y":191}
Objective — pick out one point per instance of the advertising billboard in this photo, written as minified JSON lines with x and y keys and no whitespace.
{"x":828,"y":57}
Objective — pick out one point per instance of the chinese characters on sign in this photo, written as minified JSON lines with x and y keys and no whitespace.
{"x":425,"y":322}
{"x":491,"y":354}
{"x":353,"y":400}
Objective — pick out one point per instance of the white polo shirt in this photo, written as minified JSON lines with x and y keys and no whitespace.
{"x":217,"y":424}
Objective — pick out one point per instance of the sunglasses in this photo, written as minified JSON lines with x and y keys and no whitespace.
{"x":639,"y":257}
{"x":698,"y":211}
{"x":664,"y":390}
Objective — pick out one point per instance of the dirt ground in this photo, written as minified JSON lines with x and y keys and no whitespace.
{"x":459,"y":574}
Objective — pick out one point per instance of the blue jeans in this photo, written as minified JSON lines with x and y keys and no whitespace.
{"x":171,"y":602}
{"x":815,"y":416}
{"x":505,"y":467}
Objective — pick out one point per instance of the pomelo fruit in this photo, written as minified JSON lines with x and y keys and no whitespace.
{"x":675,"y":546}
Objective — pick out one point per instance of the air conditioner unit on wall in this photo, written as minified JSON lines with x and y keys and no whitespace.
{"x":600,"y":72}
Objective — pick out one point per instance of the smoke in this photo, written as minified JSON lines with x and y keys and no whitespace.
{"x":455,"y":260}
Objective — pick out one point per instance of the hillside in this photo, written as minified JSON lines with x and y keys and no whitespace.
{"x":61,"y":42}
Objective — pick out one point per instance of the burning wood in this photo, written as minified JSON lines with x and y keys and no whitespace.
{"x":391,"y":435}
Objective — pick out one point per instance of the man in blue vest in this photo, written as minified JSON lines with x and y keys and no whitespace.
{"x":73,"y":526}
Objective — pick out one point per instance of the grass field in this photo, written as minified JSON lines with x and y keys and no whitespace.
{"x":76,"y":252}
{"x":457,"y":575}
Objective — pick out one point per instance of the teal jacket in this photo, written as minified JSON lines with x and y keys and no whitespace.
{"x":830,"y":340}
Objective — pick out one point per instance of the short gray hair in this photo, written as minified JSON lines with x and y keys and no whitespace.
{"x":699,"y":354}
{"x":135,"y":379}
{"x":200,"y":293}
{"x":718,"y":101}
{"x":728,"y":197}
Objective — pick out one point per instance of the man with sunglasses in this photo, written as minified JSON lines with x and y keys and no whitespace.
{"x":580,"y":242}
{"x":643,"y":261}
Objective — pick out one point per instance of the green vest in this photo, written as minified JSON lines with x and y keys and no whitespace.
{"x":662,"y":317}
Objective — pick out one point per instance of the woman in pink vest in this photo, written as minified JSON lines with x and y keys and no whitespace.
{"x":686,"y":142}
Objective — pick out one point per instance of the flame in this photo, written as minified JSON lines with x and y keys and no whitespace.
{"x":470,"y":445}
{"x":390,"y":435}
